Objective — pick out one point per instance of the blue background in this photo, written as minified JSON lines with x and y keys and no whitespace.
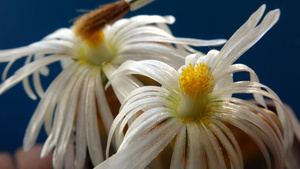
{"x":275,"y":58}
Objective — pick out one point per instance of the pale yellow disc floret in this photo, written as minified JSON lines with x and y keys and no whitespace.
{"x":94,"y":50}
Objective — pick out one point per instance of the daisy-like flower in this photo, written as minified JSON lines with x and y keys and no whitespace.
{"x":196,"y":113}
{"x":74,"y":105}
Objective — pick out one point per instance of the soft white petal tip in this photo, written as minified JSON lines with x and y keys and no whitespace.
{"x":262,"y":7}
{"x":137,"y":4}
{"x":220,"y":41}
{"x":276,"y":12}
{"x":26,"y":148}
{"x":170,"y":19}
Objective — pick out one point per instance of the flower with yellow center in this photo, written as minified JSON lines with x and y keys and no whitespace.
{"x":195,"y":114}
{"x":74,"y":105}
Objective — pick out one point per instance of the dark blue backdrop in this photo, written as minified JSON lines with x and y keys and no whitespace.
{"x":275,"y":58}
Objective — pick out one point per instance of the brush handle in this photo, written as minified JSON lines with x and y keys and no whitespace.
{"x":136,"y":4}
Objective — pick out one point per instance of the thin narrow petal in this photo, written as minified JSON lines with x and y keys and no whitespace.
{"x":26,"y":84}
{"x":61,"y":34}
{"x":195,"y":152}
{"x":144,"y":149}
{"x":125,"y":85}
{"x":27,"y":70}
{"x":178,"y":156}
{"x":45,"y":104}
{"x":59,"y":123}
{"x":46,"y":47}
{"x":81,"y":143}
{"x":229,"y":143}
{"x":150,"y":69}
{"x":239,"y":68}
{"x":182,"y":41}
{"x":215,"y":157}
{"x":105,"y":111}
{"x":69,"y":99}
{"x":242,"y":31}
{"x":92,"y":132}
{"x":6,"y":69}
{"x":250,"y":39}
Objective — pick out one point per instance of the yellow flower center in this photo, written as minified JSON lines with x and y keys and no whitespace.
{"x":196,"y":82}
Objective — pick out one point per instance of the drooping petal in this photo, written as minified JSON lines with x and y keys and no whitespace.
{"x":144,"y":149}
{"x":196,"y":156}
{"x":229,"y":142}
{"x":61,"y":34}
{"x":178,"y":156}
{"x":70,"y":99}
{"x":158,"y":71}
{"x":60,"y":114}
{"x":26,"y":84}
{"x":92,"y":131}
{"x":105,"y":111}
{"x":239,"y":68}
{"x":27,"y":70}
{"x":122,"y":86}
{"x":46,"y":47}
{"x":81,"y":143}
{"x":214,"y":152}
{"x":45,"y":106}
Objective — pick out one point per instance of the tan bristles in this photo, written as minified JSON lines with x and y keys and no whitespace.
{"x":89,"y":25}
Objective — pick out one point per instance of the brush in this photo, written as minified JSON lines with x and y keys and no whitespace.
{"x":89,"y":26}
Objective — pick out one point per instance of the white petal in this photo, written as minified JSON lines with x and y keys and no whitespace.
{"x":37,"y":84}
{"x":59,"y":124}
{"x":178,"y":156}
{"x":242,"y":31}
{"x":213,"y":150}
{"x":26,"y":83}
{"x":27,"y":70}
{"x":105,"y":111}
{"x":126,"y":25}
{"x":145,"y":123}
{"x":45,"y":47}
{"x":81,"y":145}
{"x":7,"y":67}
{"x":144,"y":149}
{"x":231,"y":146}
{"x":247,"y":120}
{"x":70,"y":100}
{"x":239,"y":68}
{"x":248,"y":40}
{"x":195,"y":149}
{"x":62,"y":33}
{"x":182,"y":41}
{"x":69,"y":159}
{"x":156,"y":70}
{"x":92,"y":132}
{"x":143,"y":51}
{"x":122,"y":86}
{"x":46,"y":104}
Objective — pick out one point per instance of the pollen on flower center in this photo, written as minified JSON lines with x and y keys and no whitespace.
{"x":196,"y":80}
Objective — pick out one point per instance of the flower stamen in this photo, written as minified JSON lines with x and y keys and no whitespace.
{"x":196,"y":80}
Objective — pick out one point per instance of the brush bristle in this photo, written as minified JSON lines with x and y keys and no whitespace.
{"x":90,"y":24}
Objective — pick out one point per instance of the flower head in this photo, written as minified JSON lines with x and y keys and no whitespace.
{"x":195,"y":112}
{"x":74,"y":105}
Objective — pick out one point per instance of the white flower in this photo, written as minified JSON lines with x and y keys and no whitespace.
{"x":194,"y":110}
{"x":74,"y":103}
